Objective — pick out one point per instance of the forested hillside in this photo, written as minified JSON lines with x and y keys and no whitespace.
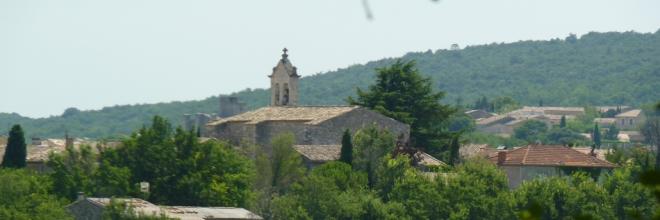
{"x":594,"y":69}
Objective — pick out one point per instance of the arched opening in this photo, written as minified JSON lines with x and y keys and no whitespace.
{"x":276,"y":92}
{"x":285,"y":98}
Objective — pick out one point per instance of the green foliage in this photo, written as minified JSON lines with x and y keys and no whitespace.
{"x":562,"y":122}
{"x":565,"y":198}
{"x":179,"y":169}
{"x":597,"y":69}
{"x":276,"y":173}
{"x":26,"y":196}
{"x":531,"y":131}
{"x":371,"y":145}
{"x":343,"y":193}
{"x":16,"y":152}
{"x":346,"y":154}
{"x":402,"y":93}
{"x":612,"y":133}
{"x":596,"y":136}
{"x":563,"y":136}
{"x":453,"y":150}
{"x":478,"y":190}
{"x":630,"y":199}
{"x":73,"y":171}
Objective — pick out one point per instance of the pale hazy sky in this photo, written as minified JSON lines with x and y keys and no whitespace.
{"x":89,"y":54}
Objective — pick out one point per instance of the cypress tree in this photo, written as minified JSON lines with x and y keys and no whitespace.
{"x":453,"y":151}
{"x":346,"y":154}
{"x":596,"y":136}
{"x":16,"y":151}
{"x":562,"y":122}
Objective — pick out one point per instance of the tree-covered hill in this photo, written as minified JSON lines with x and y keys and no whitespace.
{"x":594,"y":69}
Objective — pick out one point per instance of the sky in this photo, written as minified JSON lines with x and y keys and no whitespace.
{"x":90,"y":54}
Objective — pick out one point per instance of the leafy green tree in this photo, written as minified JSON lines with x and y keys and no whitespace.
{"x":651,"y":131}
{"x":420,"y":195}
{"x":276,"y":173}
{"x":564,"y":136}
{"x":73,"y":171}
{"x":612,"y":133}
{"x":562,"y":122}
{"x":630,"y":199}
{"x":531,"y":131}
{"x":565,"y":198}
{"x":26,"y":196}
{"x":400,"y":92}
{"x":371,"y":145}
{"x":346,"y":154}
{"x":16,"y":152}
{"x":179,"y":169}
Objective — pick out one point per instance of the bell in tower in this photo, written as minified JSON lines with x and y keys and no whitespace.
{"x":284,"y":83}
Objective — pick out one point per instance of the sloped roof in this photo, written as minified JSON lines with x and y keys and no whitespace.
{"x":632,"y":113}
{"x":179,"y":212}
{"x":550,"y":155}
{"x":428,"y":160}
{"x":306,"y":114}
{"x":195,"y":213}
{"x":319,"y":153}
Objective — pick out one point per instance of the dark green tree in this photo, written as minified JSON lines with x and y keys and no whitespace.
{"x":596,"y":136}
{"x":402,"y":93}
{"x":453,"y":150}
{"x":16,"y":152}
{"x":612,"y":133}
{"x":562,"y":121}
{"x":371,"y":145}
{"x":346,"y":154}
{"x":25,"y":195}
{"x":531,"y":131}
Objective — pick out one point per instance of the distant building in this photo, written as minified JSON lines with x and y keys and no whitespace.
{"x":505,"y":124}
{"x":92,"y":209}
{"x":479,"y":114}
{"x":630,"y":120}
{"x":311,"y":125}
{"x":230,"y":106}
{"x":535,"y":161}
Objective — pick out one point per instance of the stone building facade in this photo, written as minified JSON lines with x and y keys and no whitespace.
{"x":311,"y":125}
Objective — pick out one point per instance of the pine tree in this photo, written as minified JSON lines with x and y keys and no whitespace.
{"x":562,"y":122}
{"x":596,"y":136}
{"x":346,"y":155}
{"x":16,"y":151}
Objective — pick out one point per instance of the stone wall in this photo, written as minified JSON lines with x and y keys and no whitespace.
{"x":331,"y":131}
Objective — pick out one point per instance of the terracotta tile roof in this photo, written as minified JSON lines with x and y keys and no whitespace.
{"x":306,"y":114}
{"x":632,"y":113}
{"x":549,"y":155}
{"x":319,"y":153}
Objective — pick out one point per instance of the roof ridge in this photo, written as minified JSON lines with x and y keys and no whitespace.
{"x":524,"y":160}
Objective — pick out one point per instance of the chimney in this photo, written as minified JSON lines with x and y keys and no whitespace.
{"x":501,"y":157}
{"x":81,"y":196}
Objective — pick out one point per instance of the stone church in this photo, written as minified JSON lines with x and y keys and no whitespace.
{"x":311,"y":125}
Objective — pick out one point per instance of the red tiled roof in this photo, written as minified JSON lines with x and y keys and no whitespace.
{"x":550,"y":155}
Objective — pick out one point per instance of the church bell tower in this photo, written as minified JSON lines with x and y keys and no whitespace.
{"x":284,"y":83}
